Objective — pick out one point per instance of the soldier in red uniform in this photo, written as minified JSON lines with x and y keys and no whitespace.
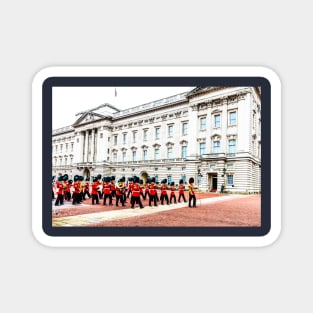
{"x":76,"y":191}
{"x":86,"y":188}
{"x":130,"y":186}
{"x":173,"y":195}
{"x":107,"y":190}
{"x":120,"y":191}
{"x":152,"y":192}
{"x":181,"y":191}
{"x":53,"y":184}
{"x":94,"y":190}
{"x":113,"y":187}
{"x":136,"y":190}
{"x":164,"y":195}
{"x":60,"y":191}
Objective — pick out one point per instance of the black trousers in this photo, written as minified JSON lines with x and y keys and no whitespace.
{"x":95,"y":198}
{"x":105,"y":197}
{"x":164,"y":197}
{"x":86,"y":192}
{"x":76,"y":198}
{"x":134,"y":200}
{"x":120,"y":198}
{"x":173,"y":197}
{"x":182,"y":195}
{"x":193,"y":199}
{"x":154,"y":199}
{"x":59,"y":200}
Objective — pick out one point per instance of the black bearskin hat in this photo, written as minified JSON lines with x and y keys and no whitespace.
{"x":95,"y":179}
{"x":191,"y":180}
{"x":172,"y":183}
{"x":181,"y":181}
{"x":99,"y":176}
{"x":76,"y":178}
{"x":65,"y":177}
{"x":164,"y":181}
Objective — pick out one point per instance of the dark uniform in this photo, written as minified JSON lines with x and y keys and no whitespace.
{"x":164,"y":195}
{"x":192,"y":196}
{"x":136,"y":191}
{"x":172,"y":195}
{"x":181,"y":191}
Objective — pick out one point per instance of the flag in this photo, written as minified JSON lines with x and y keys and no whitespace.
{"x":115,"y":92}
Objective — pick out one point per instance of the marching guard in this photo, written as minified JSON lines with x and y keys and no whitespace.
{"x":136,"y":190}
{"x":164,"y":195}
{"x":172,"y":195}
{"x":181,"y":191}
{"x":94,"y":190}
{"x":152,"y":192}
{"x":192,"y":196}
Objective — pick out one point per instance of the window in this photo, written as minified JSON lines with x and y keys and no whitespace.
{"x":134,"y":156}
{"x":169,"y":153}
{"x":185,"y":129}
{"x":169,"y":179}
{"x":145,"y":155}
{"x":56,"y":149}
{"x":145,"y":134}
{"x":124,"y":156}
{"x":232,"y":118}
{"x":202,"y":148}
{"x":61,"y":148}
{"x":230,"y":180}
{"x":230,"y":165}
{"x":217,"y":121}
{"x":156,"y":154}
{"x":183,"y":178}
{"x":101,"y":135}
{"x":157,"y":133}
{"x":232,"y":146}
{"x":156,"y":178}
{"x":114,"y":157}
{"x":170,"y":130}
{"x":72,"y":147}
{"x":199,"y":180}
{"x":184,"y":151}
{"x":202,"y":123}
{"x":213,"y":166}
{"x":216,"y":146}
{"x":124,"y":138}
{"x":134,"y":136}
{"x":66,"y":147}
{"x":115,"y":140}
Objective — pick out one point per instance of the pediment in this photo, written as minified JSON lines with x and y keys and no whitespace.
{"x":88,"y":117}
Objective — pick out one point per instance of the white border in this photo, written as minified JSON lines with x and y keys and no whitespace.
{"x":152,"y":71}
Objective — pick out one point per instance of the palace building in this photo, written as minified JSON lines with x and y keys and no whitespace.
{"x":210,"y":133}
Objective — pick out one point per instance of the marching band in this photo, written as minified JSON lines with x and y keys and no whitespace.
{"x":107,"y":189}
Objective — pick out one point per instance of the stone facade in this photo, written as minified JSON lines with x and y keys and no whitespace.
{"x":211,"y":133}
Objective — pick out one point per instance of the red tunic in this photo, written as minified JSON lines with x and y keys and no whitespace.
{"x":136,"y":190}
{"x":181,"y":189}
{"x":163,"y":189}
{"x":172,"y":191}
{"x":106,"y":189}
{"x":94,"y":187}
{"x":60,"y":188}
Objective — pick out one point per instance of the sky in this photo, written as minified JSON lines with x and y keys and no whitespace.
{"x":68,"y":101}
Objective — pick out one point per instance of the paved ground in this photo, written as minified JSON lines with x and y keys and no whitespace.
{"x":211,"y":210}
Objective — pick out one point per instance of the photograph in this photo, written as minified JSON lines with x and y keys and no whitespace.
{"x":158,"y":156}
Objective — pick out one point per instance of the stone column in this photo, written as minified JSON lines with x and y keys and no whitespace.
{"x":92,"y":147}
{"x":86,"y":146}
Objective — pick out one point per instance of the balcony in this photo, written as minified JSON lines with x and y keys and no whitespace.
{"x":213,"y":156}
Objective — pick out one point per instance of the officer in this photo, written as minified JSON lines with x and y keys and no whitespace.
{"x":191,"y":191}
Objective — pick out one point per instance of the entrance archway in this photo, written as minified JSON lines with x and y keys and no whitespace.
{"x":86,"y":172}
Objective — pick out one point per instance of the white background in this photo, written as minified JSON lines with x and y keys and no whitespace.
{"x":38,"y":34}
